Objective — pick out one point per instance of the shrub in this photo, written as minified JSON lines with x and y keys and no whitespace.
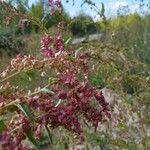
{"x":82,"y":25}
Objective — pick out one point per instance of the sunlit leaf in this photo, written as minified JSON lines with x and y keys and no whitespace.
{"x":68,"y":41}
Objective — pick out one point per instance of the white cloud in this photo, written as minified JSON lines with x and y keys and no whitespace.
{"x":134,"y":8}
{"x":112,"y":7}
{"x":118,"y":4}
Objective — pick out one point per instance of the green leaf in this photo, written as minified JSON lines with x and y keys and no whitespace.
{"x":79,"y":49}
{"x":2,"y":125}
{"x":67,"y":41}
{"x":33,"y":140}
{"x":49,"y":135}
{"x":25,"y":109}
{"x":31,"y":74}
{"x":121,"y":125}
{"x":97,"y":139}
{"x":46,"y":90}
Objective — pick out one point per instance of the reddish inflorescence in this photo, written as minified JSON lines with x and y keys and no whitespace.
{"x":55,"y":5}
{"x":70,"y":100}
{"x":50,"y":47}
{"x":14,"y":141}
{"x":76,"y":100}
{"x":71,"y":97}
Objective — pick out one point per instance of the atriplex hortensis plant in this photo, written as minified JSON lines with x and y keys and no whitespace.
{"x":63,"y":101}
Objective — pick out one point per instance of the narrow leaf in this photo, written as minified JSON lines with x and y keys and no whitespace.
{"x":67,"y":41}
{"x":49,"y":135}
{"x":25,"y":109}
{"x":33,"y":140}
{"x":79,"y":49}
{"x":46,"y":90}
{"x":2,"y":126}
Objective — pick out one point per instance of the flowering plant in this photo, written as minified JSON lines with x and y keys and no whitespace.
{"x":65,"y":99}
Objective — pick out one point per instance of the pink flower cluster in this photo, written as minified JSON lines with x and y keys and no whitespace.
{"x":55,"y":5}
{"x":71,"y":98}
{"x":14,"y":141}
{"x":76,"y":101}
{"x":7,"y":141}
{"x":51,"y":47}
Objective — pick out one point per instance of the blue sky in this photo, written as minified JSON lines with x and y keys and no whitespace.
{"x":111,"y":6}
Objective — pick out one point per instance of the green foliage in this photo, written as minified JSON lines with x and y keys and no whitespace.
{"x":26,"y":79}
{"x":98,"y":80}
{"x":97,"y":140}
{"x":10,"y":45}
{"x":25,"y":109}
{"x":37,"y":10}
{"x":132,"y":31}
{"x":2,"y":125}
{"x":124,"y":21}
{"x":82,"y":25}
{"x":31,"y":138}
{"x":50,"y":21}
{"x":49,"y":135}
{"x":127,"y":78}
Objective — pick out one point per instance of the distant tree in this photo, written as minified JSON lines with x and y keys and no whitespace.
{"x":37,"y":10}
{"x":82,"y":25}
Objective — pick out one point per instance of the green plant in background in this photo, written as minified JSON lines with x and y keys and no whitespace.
{"x":82,"y":25}
{"x":125,"y":78}
{"x":132,"y":31}
{"x":98,"y":80}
